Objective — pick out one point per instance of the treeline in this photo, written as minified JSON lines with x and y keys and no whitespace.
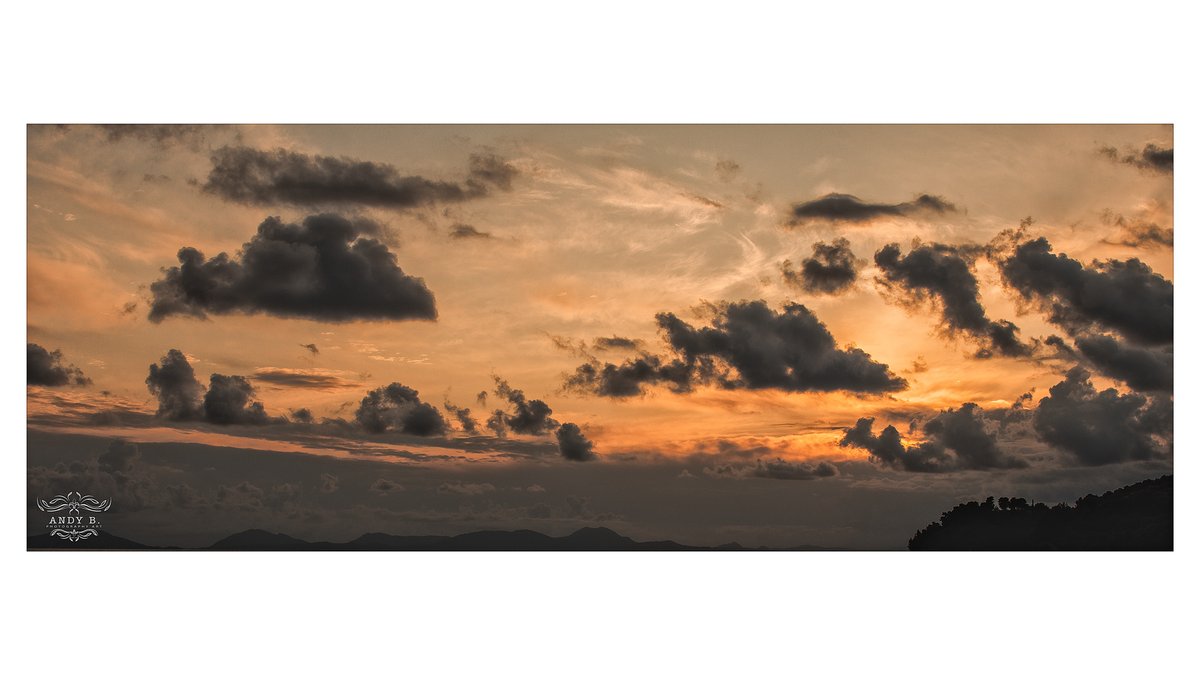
{"x":1138,"y":517}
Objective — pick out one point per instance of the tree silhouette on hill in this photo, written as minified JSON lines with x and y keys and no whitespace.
{"x":1138,"y":517}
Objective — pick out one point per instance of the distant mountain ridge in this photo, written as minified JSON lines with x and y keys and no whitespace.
{"x":1138,"y":517}
{"x":585,"y":539}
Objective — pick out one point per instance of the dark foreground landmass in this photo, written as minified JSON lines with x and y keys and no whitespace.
{"x":1138,"y":517}
{"x":586,"y":539}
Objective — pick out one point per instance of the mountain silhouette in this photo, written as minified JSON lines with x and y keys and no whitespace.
{"x":1138,"y":517}
{"x":585,"y":539}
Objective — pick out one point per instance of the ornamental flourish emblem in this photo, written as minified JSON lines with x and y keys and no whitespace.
{"x":74,"y":525}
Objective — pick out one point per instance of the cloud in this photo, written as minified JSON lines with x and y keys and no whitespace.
{"x":399,"y":408}
{"x":748,"y":346}
{"x":1103,"y":427}
{"x":469,"y":489}
{"x":174,"y":382}
{"x":383,"y":486}
{"x":1140,"y":234}
{"x":888,"y":449}
{"x":229,"y":400}
{"x":267,"y":177}
{"x":964,"y":431}
{"x":1150,"y":158}
{"x":727,"y":170}
{"x":181,"y":397}
{"x":831,"y":269}
{"x":955,"y":440}
{"x":527,"y":416}
{"x":301,"y":416}
{"x":942,"y":275}
{"x":46,"y":369}
{"x":164,"y":135}
{"x":573,"y":445}
{"x":463,"y":231}
{"x":1143,"y":369}
{"x":764,"y":349}
{"x":1125,"y":296}
{"x":627,"y":379}
{"x":327,"y":268}
{"x":304,"y":378}
{"x":118,"y":457}
{"x":842,"y":208}
{"x":615,"y":342}
{"x":248,"y":497}
{"x":463,"y":415}
{"x":780,"y":469}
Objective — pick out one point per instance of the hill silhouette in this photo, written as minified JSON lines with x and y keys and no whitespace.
{"x":1138,"y":517}
{"x":585,"y":539}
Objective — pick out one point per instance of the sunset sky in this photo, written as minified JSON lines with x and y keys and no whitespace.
{"x":697,"y":333}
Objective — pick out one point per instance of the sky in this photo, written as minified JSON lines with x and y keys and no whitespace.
{"x":775,"y":335}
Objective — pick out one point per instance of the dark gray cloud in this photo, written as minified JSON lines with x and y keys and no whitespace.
{"x":1103,"y":427}
{"x":174,"y":382}
{"x":965,"y":433}
{"x":615,"y":342}
{"x":888,"y":449}
{"x":1141,"y":234}
{"x":573,"y":445}
{"x":47,"y":369}
{"x":527,"y":416}
{"x":229,"y":400}
{"x":303,"y":378}
{"x":748,"y":346}
{"x":464,"y":231}
{"x":955,"y":440}
{"x":383,"y":486}
{"x":943,"y":276}
{"x":777,"y":469}
{"x":490,"y":168}
{"x":302,"y":416}
{"x":399,"y":408}
{"x":164,"y":135}
{"x":764,"y":349}
{"x":1142,"y":368}
{"x":781,"y":469}
{"x":327,"y":268}
{"x":627,"y":379}
{"x":1125,"y":296}
{"x":1150,"y":158}
{"x":268,"y":177}
{"x":842,"y":208}
{"x":831,"y":269}
{"x":463,"y":415}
